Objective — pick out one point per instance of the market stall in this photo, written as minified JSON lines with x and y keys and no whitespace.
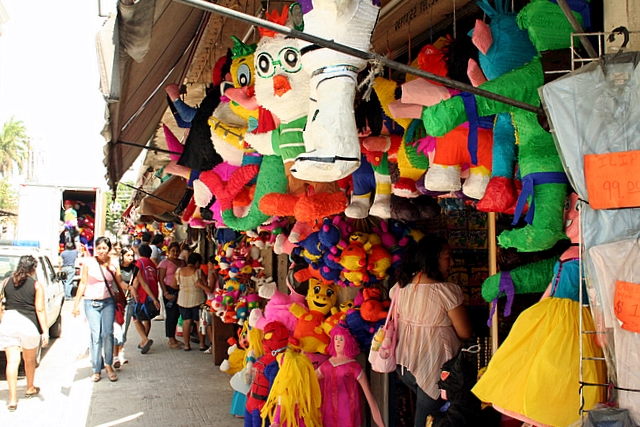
{"x":320,"y":155}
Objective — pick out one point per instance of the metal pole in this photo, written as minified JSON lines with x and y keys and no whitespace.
{"x":370,"y":56}
{"x":145,"y":147}
{"x":147,"y":193}
{"x":577,"y":28}
{"x":493,"y":269}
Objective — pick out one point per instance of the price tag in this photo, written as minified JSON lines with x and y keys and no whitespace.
{"x":626,"y":305}
{"x":613,"y":180}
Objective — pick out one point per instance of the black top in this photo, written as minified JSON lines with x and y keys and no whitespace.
{"x":23,"y":299}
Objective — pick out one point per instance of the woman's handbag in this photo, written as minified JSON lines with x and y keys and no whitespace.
{"x":120,"y":300}
{"x":382,"y":355}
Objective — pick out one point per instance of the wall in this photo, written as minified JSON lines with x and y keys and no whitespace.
{"x":623,"y":13}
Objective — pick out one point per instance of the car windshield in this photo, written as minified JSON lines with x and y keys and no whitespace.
{"x":8,"y":264}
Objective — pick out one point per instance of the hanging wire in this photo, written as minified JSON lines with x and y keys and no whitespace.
{"x":454,"y":20}
{"x":431,"y":25}
{"x":409,"y":45}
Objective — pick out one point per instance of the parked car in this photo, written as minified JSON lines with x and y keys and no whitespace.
{"x":10,"y":253}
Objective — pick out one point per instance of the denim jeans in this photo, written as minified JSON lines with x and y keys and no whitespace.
{"x":171,"y":315}
{"x":68,"y":283}
{"x":128,"y":317}
{"x":100,"y":315}
{"x":425,"y":405}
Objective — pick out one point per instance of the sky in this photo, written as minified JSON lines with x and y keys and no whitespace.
{"x":49,"y":79}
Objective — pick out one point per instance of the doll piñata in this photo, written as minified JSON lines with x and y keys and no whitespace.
{"x":294,"y":399}
{"x":535,"y":374}
{"x":341,"y":380}
{"x":264,"y":372}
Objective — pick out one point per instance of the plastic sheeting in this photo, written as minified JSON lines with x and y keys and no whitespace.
{"x":596,"y":110}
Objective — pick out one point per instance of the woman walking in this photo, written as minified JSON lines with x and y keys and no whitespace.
{"x":128,"y":272}
{"x":23,"y":326}
{"x":192,"y":287}
{"x":97,"y":284}
{"x":166,"y":271}
{"x":432,"y":321}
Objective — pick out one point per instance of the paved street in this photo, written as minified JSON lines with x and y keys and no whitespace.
{"x":163,"y":388}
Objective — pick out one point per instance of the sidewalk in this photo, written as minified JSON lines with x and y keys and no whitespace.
{"x":163,"y":388}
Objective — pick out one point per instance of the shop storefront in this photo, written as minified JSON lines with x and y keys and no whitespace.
{"x":314,"y":156}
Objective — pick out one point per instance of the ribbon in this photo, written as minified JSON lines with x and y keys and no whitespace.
{"x":528,"y":182}
{"x":470,"y":107}
{"x":506,"y":286}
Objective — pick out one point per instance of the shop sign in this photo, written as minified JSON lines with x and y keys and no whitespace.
{"x":626,"y":305}
{"x":410,"y":18}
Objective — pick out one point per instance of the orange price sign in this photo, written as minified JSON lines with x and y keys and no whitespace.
{"x":626,"y":305}
{"x":613,"y":180}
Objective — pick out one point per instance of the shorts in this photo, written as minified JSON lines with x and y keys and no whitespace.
{"x":17,"y":330}
{"x":191,"y":313}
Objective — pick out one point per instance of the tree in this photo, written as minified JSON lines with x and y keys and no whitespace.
{"x":123,"y":198}
{"x":14,"y":147}
{"x":8,"y":197}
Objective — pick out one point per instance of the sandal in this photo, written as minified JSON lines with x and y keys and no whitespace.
{"x":204,"y":349}
{"x":35,"y":392}
{"x":96,"y":377}
{"x":12,"y":408}
{"x":187,"y":348}
{"x":113,"y":377}
{"x":208,"y":351}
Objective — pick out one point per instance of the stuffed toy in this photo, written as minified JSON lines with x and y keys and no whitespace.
{"x":353,"y":260}
{"x":372,"y":177}
{"x":277,"y":308}
{"x":330,"y":135}
{"x":320,"y":300}
{"x":543,"y":177}
{"x":330,"y":235}
{"x":265,"y":369}
{"x":373,"y":308}
{"x":362,"y":330}
{"x":338,"y":315}
{"x":379,"y":262}
{"x":458,"y":375}
{"x":237,"y":352}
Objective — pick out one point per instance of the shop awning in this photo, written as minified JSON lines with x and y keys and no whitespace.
{"x":159,"y":205}
{"x":142,"y":49}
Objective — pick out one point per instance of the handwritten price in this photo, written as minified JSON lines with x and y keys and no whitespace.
{"x":612,"y":179}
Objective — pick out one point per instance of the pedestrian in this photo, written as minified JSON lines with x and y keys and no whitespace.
{"x":23,"y":326}
{"x":128,"y":272}
{"x":166,"y":271}
{"x":156,"y":257}
{"x":148,"y":305}
{"x":432,"y":321}
{"x":185,"y":251}
{"x":156,"y":248}
{"x":97,"y":284}
{"x":192,"y":286}
{"x":67,"y":265}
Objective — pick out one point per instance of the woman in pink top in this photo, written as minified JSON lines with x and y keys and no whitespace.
{"x":99,"y":306}
{"x":166,"y":271}
{"x":432,"y":321}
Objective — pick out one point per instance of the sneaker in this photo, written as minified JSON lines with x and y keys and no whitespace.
{"x":123,"y":359}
